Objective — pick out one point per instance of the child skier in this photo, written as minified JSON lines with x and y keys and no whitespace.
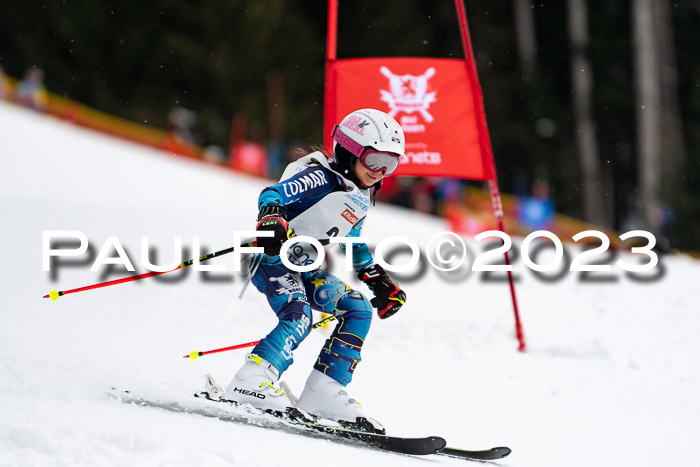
{"x":321,"y":198}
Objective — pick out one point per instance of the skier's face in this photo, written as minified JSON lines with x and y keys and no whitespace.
{"x":366,"y":176}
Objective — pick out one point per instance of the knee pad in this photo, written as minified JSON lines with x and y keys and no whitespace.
{"x":355,"y":303}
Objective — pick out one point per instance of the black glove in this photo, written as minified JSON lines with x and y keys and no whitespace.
{"x":273,"y":218}
{"x":388,"y":297}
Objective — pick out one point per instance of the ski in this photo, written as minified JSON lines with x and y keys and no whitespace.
{"x":230,"y":413}
{"x":484,"y":455}
{"x":296,"y":423}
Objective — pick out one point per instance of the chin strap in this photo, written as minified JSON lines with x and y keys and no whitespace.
{"x":377,"y":186}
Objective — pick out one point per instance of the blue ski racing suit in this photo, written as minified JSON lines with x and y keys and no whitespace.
{"x":319,"y":203}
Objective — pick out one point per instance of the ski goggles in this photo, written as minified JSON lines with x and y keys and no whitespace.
{"x":370,"y":158}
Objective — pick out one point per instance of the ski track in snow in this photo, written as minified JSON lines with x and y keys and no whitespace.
{"x":610,"y":378}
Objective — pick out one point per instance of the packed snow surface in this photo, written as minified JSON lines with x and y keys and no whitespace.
{"x":610,"y":378}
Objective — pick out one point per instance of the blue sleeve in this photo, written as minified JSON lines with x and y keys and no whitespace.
{"x":303,"y":189}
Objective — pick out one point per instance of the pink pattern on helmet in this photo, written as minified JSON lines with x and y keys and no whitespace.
{"x":355,"y":123}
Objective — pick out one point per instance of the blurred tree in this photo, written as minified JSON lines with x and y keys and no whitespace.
{"x":584,"y":129}
{"x":648,"y":107}
{"x":527,"y":42}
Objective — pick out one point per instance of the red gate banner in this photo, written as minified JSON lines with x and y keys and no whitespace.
{"x":433,"y":101}
{"x":436,"y":101}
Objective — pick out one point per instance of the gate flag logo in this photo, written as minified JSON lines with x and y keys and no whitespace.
{"x":431,"y":98}
{"x":408,"y":93}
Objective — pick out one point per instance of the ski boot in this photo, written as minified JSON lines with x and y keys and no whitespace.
{"x":254,"y":384}
{"x":326,"y":398}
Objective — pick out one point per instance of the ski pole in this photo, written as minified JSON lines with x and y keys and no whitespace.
{"x":54,"y":294}
{"x":194,"y":355}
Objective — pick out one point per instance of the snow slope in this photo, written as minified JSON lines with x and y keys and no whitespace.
{"x":611,"y":376}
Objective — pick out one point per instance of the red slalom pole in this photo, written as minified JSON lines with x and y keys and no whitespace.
{"x":486,"y":147}
{"x":54,"y":294}
{"x":194,"y":355}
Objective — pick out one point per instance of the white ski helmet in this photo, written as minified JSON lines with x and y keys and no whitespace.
{"x":371,"y":128}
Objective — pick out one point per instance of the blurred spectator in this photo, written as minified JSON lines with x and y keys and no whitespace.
{"x":465,"y":221}
{"x":180,"y":138}
{"x":401,"y":192}
{"x":249,"y":156}
{"x":5,"y":88}
{"x":424,"y":194}
{"x":181,"y":121}
{"x":214,"y":154}
{"x":276,"y":162}
{"x":389,"y":190}
{"x":664,"y":217}
{"x":447,"y":191}
{"x":30,"y":91}
{"x":536,"y":212}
